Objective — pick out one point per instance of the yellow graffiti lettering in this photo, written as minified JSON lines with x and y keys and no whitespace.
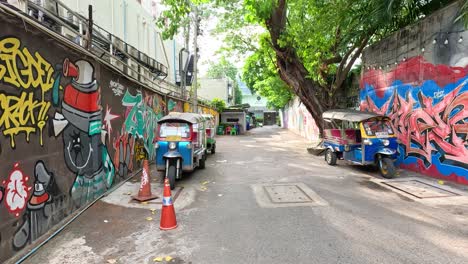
{"x":20,"y":68}
{"x":22,"y":114}
{"x":27,"y":112}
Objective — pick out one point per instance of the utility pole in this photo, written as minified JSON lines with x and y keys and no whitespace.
{"x":182,"y":63}
{"x":195,"y":59}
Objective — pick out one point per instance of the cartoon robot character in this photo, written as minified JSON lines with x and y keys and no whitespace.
{"x":80,"y":124}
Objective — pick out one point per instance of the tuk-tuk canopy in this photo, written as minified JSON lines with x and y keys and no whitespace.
{"x":348,"y":115}
{"x":191,"y":118}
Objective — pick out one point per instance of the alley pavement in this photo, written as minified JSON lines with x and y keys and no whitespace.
{"x":263,"y":199}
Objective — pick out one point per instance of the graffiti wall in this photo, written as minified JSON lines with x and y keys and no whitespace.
{"x":296,"y":118}
{"x":419,"y":77}
{"x":70,"y":129}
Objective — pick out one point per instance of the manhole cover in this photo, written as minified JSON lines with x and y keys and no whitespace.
{"x":420,"y":189}
{"x":287,"y":194}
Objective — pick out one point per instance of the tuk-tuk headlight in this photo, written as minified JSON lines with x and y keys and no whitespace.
{"x":385,"y":142}
{"x":189,"y":146}
{"x":156,"y":146}
{"x":367,"y":142}
{"x":172,"y":145}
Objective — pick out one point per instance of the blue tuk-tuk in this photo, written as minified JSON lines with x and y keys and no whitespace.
{"x":362,"y":138}
{"x":181,"y":144}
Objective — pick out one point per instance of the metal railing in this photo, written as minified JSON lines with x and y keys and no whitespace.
{"x":129,"y":60}
{"x":132,"y":63}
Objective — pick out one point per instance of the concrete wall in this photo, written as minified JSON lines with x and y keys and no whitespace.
{"x":70,"y":129}
{"x":297,"y":118}
{"x":419,"y":77}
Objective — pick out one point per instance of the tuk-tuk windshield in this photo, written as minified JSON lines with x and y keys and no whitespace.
{"x":379,"y":128}
{"x":174,"y":129}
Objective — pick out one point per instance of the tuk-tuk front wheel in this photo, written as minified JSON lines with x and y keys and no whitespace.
{"x":386,"y":167}
{"x":331,"y":157}
{"x":171,"y":175}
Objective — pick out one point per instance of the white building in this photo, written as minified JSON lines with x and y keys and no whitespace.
{"x":216,"y":88}
{"x":128,"y":25}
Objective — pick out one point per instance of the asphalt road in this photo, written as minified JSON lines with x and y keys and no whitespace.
{"x":351,"y":218}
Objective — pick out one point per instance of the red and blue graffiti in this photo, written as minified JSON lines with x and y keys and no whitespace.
{"x":428,"y":107}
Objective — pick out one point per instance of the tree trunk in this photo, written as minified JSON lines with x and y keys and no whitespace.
{"x":291,"y":68}
{"x":293,"y":73}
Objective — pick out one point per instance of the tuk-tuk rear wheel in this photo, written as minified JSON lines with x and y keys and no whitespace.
{"x":386,"y":167}
{"x":331,"y":157}
{"x":201,"y":162}
{"x":213,"y":149}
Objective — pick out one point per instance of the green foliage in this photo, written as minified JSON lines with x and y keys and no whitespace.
{"x":310,"y":46}
{"x":260,"y":75}
{"x":204,"y":102}
{"x":174,"y":18}
{"x":464,"y":14}
{"x":177,"y":16}
{"x":218,"y":104}
{"x":222,"y":68}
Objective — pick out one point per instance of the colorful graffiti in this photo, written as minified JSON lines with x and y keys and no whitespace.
{"x":2,"y":190}
{"x":427,"y":105}
{"x":44,"y":203}
{"x":297,"y":118}
{"x":68,"y":135}
{"x":174,"y":106}
{"x":117,"y":88}
{"x":107,"y":124}
{"x":141,"y":120}
{"x":138,"y":134}
{"x":123,"y":155}
{"x":25,"y":112}
{"x":17,"y":191}
{"x":84,"y":152}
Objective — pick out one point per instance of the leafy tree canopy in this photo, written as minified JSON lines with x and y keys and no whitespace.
{"x":222,"y":68}
{"x":260,"y":75}
{"x":313,"y":43}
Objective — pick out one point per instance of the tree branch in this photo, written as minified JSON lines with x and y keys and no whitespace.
{"x":340,"y":78}
{"x":333,"y":60}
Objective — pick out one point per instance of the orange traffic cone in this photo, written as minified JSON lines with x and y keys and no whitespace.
{"x":144,"y":194}
{"x":168,"y":217}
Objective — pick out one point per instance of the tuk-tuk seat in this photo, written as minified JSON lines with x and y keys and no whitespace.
{"x":335,"y":135}
{"x":353,"y":136}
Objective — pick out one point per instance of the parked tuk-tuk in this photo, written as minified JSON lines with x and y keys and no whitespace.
{"x":181,"y":144}
{"x":362,"y":138}
{"x":210,"y":127}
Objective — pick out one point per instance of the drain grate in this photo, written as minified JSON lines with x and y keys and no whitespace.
{"x":287,"y":194}
{"x":420,"y":189}
{"x":273,"y":195}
